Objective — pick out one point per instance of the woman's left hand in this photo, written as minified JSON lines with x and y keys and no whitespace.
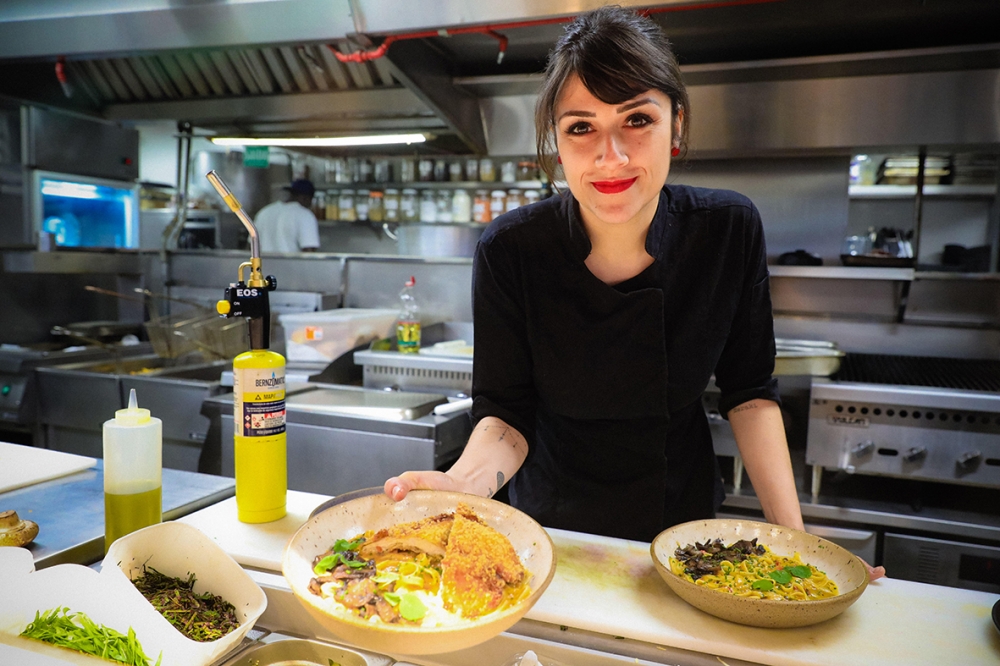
{"x":874,"y":573}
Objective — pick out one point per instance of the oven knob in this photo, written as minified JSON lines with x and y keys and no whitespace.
{"x":863,"y":449}
{"x":915,"y":454}
{"x":968,"y":461}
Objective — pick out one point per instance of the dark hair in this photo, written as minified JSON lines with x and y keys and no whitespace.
{"x":617,"y":54}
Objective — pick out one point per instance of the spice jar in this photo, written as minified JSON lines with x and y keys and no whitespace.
{"x":428,"y":206}
{"x":513,"y":200}
{"x":345,"y":206}
{"x":332,"y":197}
{"x":440,"y":170}
{"x":365,"y":170}
{"x":409,"y":208}
{"x":472,"y":169}
{"x":407,"y":170}
{"x":531,"y":196}
{"x":481,"y":207}
{"x":376,"y":208}
{"x":498,"y":203}
{"x":486,"y":172}
{"x":361,"y":205}
{"x":391,"y":204}
{"x":527,"y":170}
{"x":461,"y":206}
{"x":443,"y":201}
{"x":508,"y":172}
{"x":455,"y":171}
{"x":383,"y":173}
{"x":353,"y":170}
{"x":425,"y":170}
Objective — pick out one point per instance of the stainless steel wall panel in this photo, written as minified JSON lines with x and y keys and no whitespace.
{"x":847,"y":113}
{"x":68,"y":143}
{"x":444,"y":286}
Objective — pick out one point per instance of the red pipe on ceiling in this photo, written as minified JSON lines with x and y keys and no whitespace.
{"x":491,"y":30}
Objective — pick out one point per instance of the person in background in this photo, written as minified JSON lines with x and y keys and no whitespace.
{"x":289,"y":226}
{"x":602,"y":313}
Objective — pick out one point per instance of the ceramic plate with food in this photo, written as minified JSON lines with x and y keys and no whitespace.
{"x":433,"y":573}
{"x":758,"y":574}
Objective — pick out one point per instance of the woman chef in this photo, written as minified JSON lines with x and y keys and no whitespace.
{"x":601,"y":315}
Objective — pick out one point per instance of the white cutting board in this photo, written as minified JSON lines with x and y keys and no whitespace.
{"x":260,"y":545}
{"x":22,"y":465}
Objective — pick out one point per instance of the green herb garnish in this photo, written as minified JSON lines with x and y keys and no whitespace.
{"x":411,"y":607}
{"x":201,"y":617}
{"x":76,"y":631}
{"x":763,"y":584}
{"x":800,"y":570}
{"x":781,"y":577}
{"x":344,"y":552}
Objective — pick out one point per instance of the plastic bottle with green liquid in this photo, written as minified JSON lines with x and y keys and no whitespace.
{"x":408,"y":323}
{"x":133,"y":471}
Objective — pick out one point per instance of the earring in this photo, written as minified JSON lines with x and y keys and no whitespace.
{"x":675,"y":151}
{"x":559,"y":159}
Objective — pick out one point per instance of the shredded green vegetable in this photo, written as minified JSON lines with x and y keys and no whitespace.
{"x":76,"y":631}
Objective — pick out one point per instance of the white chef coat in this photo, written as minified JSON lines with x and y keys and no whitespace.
{"x":286,"y":226}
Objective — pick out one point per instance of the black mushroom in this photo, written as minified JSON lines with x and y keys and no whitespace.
{"x":702,"y":559}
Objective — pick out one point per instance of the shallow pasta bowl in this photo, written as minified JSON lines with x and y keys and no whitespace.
{"x":377,"y":511}
{"x":839,"y":564}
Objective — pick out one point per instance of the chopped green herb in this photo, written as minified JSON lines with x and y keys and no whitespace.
{"x":344,"y":552}
{"x":763,"y":584}
{"x":781,"y":577}
{"x":801,"y":571}
{"x":76,"y":631}
{"x":201,"y":617}
{"x":411,"y":607}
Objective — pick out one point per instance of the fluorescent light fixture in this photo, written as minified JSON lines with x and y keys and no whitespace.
{"x":61,"y":188}
{"x":323,"y":141}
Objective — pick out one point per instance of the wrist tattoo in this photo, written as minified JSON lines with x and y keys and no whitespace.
{"x":500,"y":480}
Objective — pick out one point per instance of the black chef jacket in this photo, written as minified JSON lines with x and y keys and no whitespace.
{"x":605,"y":382}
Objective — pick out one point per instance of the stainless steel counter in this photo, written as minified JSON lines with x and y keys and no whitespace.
{"x":70,"y":510}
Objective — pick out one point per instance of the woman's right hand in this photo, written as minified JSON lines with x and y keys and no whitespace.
{"x":398,"y":486}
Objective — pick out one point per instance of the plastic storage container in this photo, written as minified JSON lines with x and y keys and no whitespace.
{"x":323,"y":336}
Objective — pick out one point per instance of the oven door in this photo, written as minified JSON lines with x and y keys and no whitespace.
{"x":940,"y":562}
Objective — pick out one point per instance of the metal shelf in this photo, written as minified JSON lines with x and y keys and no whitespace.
{"x":843,"y":272}
{"x":438,"y":185}
{"x":910,"y":191}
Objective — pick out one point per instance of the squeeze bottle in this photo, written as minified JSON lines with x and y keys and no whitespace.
{"x":133,"y":470}
{"x":408,"y":323}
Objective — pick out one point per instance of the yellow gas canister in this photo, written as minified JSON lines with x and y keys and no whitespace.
{"x":260,"y":444}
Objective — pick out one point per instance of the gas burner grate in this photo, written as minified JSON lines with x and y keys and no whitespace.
{"x":953,"y":373}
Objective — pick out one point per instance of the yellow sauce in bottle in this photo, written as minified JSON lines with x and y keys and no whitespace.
{"x":124,"y":514}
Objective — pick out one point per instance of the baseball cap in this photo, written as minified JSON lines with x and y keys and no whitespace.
{"x":301,"y":186}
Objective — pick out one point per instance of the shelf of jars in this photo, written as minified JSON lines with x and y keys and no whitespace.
{"x":460,"y":202}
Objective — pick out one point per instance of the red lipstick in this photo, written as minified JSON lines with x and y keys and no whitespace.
{"x":613,"y":186}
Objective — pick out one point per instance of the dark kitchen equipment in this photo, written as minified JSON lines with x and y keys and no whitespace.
{"x":800,"y":258}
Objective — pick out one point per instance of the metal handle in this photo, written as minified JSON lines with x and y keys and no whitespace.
{"x":914,"y":454}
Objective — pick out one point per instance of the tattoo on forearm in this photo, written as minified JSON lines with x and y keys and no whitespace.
{"x":500,"y":480}
{"x":505,"y":430}
{"x":744,"y":407}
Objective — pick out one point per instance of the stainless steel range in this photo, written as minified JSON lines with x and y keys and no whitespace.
{"x":931,"y":419}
